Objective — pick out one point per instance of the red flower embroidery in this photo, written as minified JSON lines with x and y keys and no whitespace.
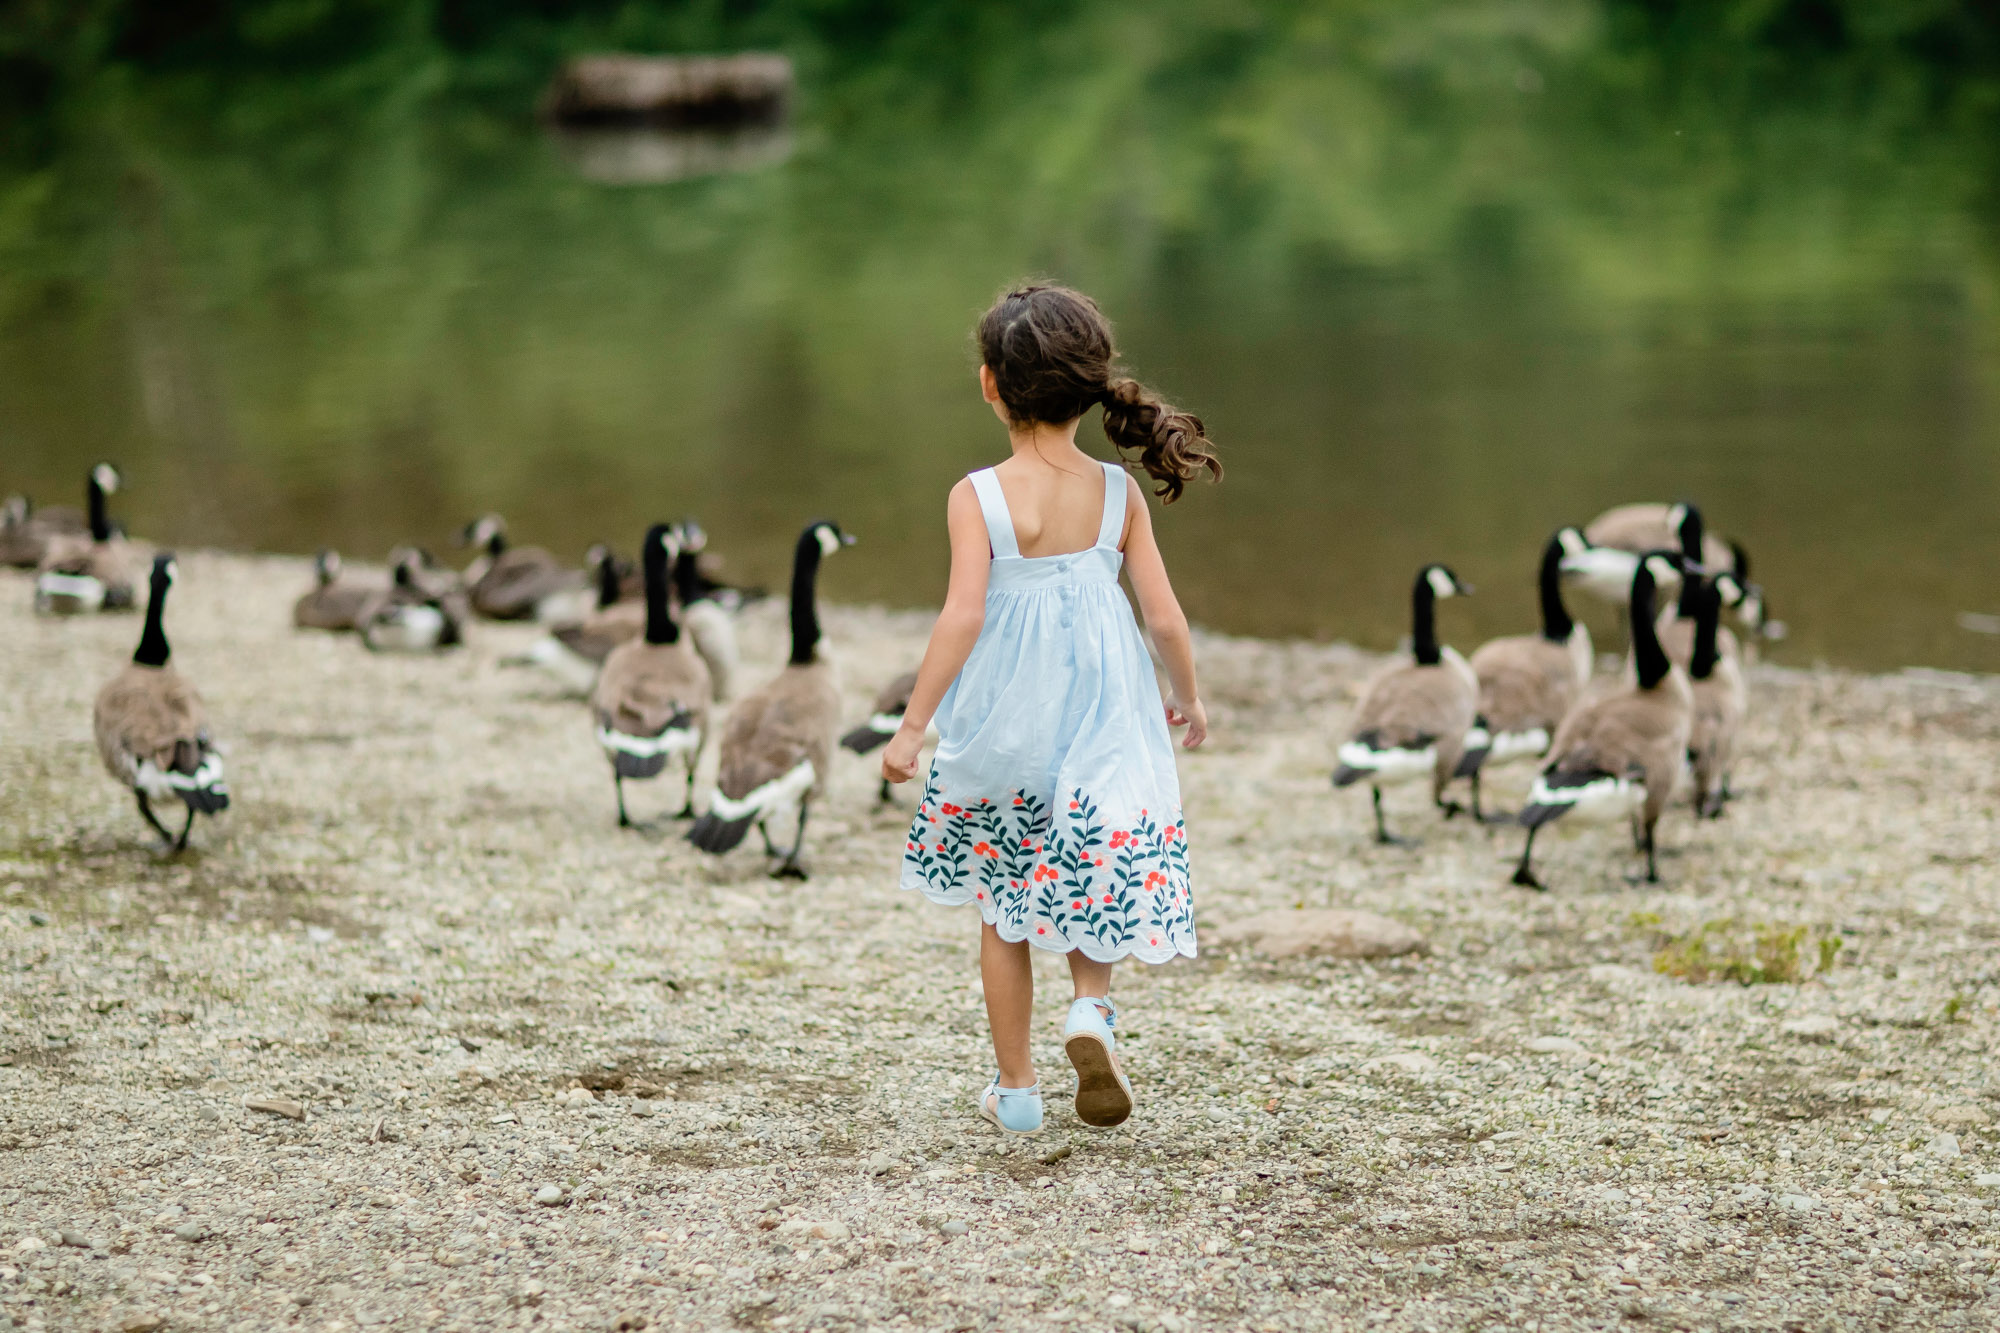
{"x":1154,"y":940}
{"x":1155,"y":881}
{"x":1100,"y":860}
{"x":980,"y":896}
{"x":1072,"y":805}
{"x":1118,"y":839}
{"x":1017,"y":800}
{"x":1041,"y":930}
{"x":1076,"y":907}
{"x":1107,"y":897}
{"x":983,"y":849}
{"x":951,"y":809}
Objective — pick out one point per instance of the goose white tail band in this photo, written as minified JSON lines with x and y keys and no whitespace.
{"x":573,"y":669}
{"x":68,"y":591}
{"x":1485,"y":749}
{"x":776,"y":794}
{"x":409,"y":629}
{"x":1383,"y":767}
{"x":1601,"y":800}
{"x":679,"y":737}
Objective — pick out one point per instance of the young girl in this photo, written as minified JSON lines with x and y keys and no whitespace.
{"x":1053,"y":801}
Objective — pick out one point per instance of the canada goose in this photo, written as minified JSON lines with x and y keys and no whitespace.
{"x":575,"y":653}
{"x":411,"y":617}
{"x":1604,"y":569}
{"x":884,"y":721}
{"x":88,"y":571}
{"x":1619,"y":753}
{"x":778,"y":741}
{"x":1637,"y":528}
{"x":25,"y":531}
{"x":651,"y":700}
{"x":1527,"y":682}
{"x":1720,"y":700}
{"x":1678,"y":626}
{"x":1413,"y":718}
{"x":512,"y":582}
{"x":335,"y":602}
{"x":152,"y":731}
{"x":708,"y":621}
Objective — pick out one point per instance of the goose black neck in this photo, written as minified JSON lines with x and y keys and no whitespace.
{"x":496,"y":544}
{"x":805,"y":609}
{"x":661,"y":627}
{"x":100,"y":520}
{"x":1692,"y":532}
{"x":1423,"y":622}
{"x":608,"y":583}
{"x":1647,"y":656}
{"x":1707,"y":621}
{"x":153,"y":649}
{"x":1557,"y":624}
{"x":687,"y":576}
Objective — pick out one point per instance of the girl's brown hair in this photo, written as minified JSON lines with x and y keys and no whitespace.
{"x":1050,"y":352}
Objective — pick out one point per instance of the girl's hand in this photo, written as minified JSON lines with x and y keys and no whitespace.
{"x":899,"y":760}
{"x":1190,"y":715}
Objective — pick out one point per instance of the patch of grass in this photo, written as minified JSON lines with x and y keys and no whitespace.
{"x":1748,"y":954}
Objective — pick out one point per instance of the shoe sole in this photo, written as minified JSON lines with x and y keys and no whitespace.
{"x":1102,"y":1098}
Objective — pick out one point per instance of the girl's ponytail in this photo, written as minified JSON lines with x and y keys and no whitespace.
{"x":1172,"y":446}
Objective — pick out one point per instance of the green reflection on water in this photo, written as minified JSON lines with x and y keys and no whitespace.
{"x":1440,"y":277}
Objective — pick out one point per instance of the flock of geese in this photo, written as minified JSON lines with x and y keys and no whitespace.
{"x":1607,"y":748}
{"x":653,"y":649}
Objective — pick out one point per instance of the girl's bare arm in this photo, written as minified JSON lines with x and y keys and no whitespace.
{"x":957,"y":629}
{"x":1163,"y":615}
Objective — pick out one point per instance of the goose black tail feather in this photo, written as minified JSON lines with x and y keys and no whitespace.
{"x":1472,"y":761}
{"x":1534,"y":816}
{"x":863,"y":739}
{"x":716,"y":836}
{"x":638,"y":765}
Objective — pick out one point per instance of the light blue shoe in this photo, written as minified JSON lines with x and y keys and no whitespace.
{"x":1103,"y":1094}
{"x":1014,"y":1110}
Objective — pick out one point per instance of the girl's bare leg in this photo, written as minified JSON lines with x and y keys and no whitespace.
{"x":1009,"y":981}
{"x":1089,"y":978}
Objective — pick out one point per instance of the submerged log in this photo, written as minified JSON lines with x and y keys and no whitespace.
{"x":669,"y":90}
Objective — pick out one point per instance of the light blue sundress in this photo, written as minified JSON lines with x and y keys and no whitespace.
{"x":1052,"y":800}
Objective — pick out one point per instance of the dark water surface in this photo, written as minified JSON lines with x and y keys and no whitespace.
{"x":1436,"y":290}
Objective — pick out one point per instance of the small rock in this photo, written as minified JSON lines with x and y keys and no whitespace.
{"x":1409,"y":1062}
{"x":1054,"y":1155}
{"x":1797,"y":1203}
{"x":1330,"y":932}
{"x":880,"y":1164}
{"x":1812,"y":1027}
{"x":145,"y":1322}
{"x":548,"y":1196}
{"x":1217,"y":1114}
{"x":1944,"y":1145}
{"x":1960,"y":1116}
{"x":1139,"y":1244}
{"x":76,"y":1238}
{"x":1555,"y":1045}
{"x":283,"y":1106}
{"x":1987,"y":1179}
{"x":191,"y":1231}
{"x":954,"y":1228}
{"x":829,"y":1230}
{"x":475,"y":1047}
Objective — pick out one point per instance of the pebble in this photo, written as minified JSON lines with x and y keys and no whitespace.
{"x":880,"y":1164}
{"x":549,"y":1195}
{"x":283,"y":1106}
{"x":956,"y":1227}
{"x":1555,"y":1045}
{"x":1813,"y":1027}
{"x":191,"y":1231}
{"x":1944,"y":1145}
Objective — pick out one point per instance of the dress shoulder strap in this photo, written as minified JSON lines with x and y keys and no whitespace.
{"x":999,"y":523}
{"x":1113,"y":525}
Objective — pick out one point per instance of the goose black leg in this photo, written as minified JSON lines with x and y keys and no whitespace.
{"x":180,"y":843}
{"x":1479,"y":816}
{"x":687,"y":806}
{"x":146,"y":809}
{"x":770,"y":848}
{"x":1652,"y":863}
{"x":791,"y":869}
{"x":618,"y":781}
{"x":1382,"y":834}
{"x":1524,"y":873}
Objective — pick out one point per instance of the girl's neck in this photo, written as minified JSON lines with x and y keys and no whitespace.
{"x":1052,"y":446}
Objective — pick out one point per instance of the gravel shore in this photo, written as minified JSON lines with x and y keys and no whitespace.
{"x":557,"y":1075}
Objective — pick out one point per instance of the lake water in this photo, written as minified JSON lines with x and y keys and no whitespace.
{"x":1435,"y":292}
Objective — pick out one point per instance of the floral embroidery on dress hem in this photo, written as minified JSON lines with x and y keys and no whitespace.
{"x":1111,"y":892}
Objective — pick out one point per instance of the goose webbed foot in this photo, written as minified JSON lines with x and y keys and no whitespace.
{"x":1524,"y":873}
{"x":1449,"y":809}
{"x":180,"y":843}
{"x":1384,"y":838}
{"x":789,"y":868}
